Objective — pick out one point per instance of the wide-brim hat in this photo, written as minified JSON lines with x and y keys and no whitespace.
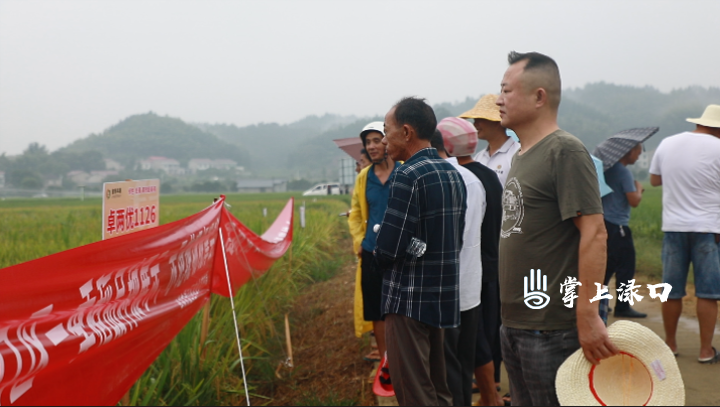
{"x":459,"y":136}
{"x":485,"y":108}
{"x":710,"y":117}
{"x":644,"y":373}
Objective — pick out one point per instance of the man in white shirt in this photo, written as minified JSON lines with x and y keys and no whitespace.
{"x":501,"y":148}
{"x":498,"y":157}
{"x":460,"y":341}
{"x":687,"y":165}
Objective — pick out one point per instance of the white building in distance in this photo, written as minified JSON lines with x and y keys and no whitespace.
{"x":202,"y":164}
{"x":89,"y":178}
{"x":169,"y":166}
{"x":645,"y":159}
{"x":113,"y":165}
{"x":261,"y":185}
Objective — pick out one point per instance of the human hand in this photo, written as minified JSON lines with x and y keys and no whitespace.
{"x":359,"y":252}
{"x":639,"y":187}
{"x":594,"y":339}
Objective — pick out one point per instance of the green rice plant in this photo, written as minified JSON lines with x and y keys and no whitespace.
{"x":188,"y":372}
{"x":260,"y":304}
{"x":646,"y":225}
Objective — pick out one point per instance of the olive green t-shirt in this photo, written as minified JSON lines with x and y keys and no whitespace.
{"x":547,"y":186}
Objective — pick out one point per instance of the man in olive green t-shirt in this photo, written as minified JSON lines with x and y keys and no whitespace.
{"x":552,"y":230}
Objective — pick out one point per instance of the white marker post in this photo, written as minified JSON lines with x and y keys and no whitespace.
{"x":302,"y":216}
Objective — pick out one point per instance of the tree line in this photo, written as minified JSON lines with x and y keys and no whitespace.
{"x":304,"y":149}
{"x":36,"y":165}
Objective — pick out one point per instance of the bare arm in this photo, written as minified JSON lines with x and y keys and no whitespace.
{"x":635,"y":197}
{"x":592,"y":332}
{"x":655,"y":180}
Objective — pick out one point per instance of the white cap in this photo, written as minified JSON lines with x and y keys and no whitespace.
{"x":374,"y":126}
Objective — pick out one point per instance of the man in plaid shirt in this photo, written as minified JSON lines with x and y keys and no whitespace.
{"x":418,"y":249}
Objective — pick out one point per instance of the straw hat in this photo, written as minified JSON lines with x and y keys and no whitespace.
{"x":459,"y":136}
{"x":644,"y":373}
{"x":485,"y":108}
{"x":710,"y":117}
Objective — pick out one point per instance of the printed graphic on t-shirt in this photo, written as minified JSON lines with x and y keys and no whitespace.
{"x":513,"y":209}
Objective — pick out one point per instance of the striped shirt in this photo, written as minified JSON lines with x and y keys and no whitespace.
{"x":427,"y":202}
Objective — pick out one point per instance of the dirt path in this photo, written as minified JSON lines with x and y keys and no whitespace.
{"x":701,"y":381}
{"x":329,"y":369}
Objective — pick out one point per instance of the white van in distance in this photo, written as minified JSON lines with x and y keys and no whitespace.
{"x":323,"y":189}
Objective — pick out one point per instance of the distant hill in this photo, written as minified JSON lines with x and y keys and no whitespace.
{"x":304,"y":148}
{"x":148,"y":134}
{"x":598,"y":110}
{"x":273,"y":143}
{"x":317,"y":157}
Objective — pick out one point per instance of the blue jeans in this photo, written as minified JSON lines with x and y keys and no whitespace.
{"x":532,"y":359}
{"x":702,"y":249}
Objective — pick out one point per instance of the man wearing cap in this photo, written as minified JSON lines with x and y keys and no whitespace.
{"x":687,"y":165}
{"x":369,"y":203}
{"x":459,"y":136}
{"x":501,"y":148}
{"x":552,"y":232}
{"x":418,"y":249}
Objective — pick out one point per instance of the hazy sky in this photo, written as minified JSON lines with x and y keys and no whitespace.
{"x":71,"y":68}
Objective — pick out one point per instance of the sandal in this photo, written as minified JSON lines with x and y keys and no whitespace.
{"x":382,"y":386}
{"x":373,"y":356}
{"x":385,"y":376}
{"x":711,"y":360}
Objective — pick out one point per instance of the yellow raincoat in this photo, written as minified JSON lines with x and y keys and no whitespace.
{"x":357,"y":220}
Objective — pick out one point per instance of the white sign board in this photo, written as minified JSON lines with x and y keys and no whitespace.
{"x":130,"y":206}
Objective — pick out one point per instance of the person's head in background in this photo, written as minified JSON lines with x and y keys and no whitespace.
{"x":436,"y":141}
{"x":486,"y":119}
{"x":632,"y":156}
{"x":409,"y":125}
{"x":364,"y":159}
{"x":459,"y":138}
{"x":709,"y":123}
{"x":372,"y":135}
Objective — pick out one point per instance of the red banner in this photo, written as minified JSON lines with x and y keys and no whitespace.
{"x":248,"y":254}
{"x":66,"y":318}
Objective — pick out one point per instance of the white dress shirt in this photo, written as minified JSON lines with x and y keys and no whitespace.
{"x":501,"y":161}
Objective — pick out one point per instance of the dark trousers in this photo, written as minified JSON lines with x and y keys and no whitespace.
{"x":460,"y":356}
{"x":417,"y":362}
{"x":620,"y":259}
{"x":532,"y":359}
{"x":488,"y":328}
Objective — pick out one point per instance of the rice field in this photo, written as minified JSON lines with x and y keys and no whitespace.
{"x":646,"y":225}
{"x":189,"y":372}
{"x":192,"y":373}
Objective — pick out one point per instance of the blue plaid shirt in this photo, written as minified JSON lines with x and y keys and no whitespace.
{"x":427,"y":201}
